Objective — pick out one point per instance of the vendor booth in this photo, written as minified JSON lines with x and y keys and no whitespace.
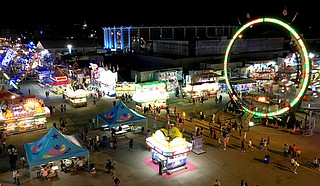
{"x":120,"y":115}
{"x":76,"y":94}
{"x":106,"y":79}
{"x":125,"y":89}
{"x":52,"y":149}
{"x":153,"y":93}
{"x":169,"y":149}
{"x":59,"y":76}
{"x":23,"y":115}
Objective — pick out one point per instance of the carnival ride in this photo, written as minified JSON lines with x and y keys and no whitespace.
{"x":19,"y":61}
{"x":300,"y":84}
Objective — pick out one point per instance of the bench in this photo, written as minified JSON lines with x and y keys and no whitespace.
{"x":122,"y":132}
{"x":124,"y":127}
{"x":136,"y":129}
{"x":105,"y":127}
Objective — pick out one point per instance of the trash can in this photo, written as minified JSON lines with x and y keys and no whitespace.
{"x":105,"y":139}
{"x":266,"y":159}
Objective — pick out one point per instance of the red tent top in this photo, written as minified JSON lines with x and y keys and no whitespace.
{"x":5,"y":94}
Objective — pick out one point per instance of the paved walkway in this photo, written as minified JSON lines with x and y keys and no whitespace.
{"x":228,"y":166}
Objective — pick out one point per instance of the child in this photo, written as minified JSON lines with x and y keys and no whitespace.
{"x":131,"y":144}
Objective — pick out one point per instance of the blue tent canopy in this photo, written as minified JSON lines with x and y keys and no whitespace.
{"x":54,"y":146}
{"x":120,"y":114}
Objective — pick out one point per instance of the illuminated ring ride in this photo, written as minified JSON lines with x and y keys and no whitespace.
{"x":304,"y":60}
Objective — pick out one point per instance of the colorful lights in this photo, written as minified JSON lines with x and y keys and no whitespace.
{"x":305,"y":60}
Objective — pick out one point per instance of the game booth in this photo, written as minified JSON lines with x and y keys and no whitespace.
{"x":22,"y":115}
{"x":59,"y":76}
{"x":169,"y":149}
{"x":125,"y":88}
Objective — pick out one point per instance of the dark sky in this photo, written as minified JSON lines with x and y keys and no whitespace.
{"x":193,"y":12}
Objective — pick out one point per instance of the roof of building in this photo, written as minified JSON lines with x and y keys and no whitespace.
{"x":84,"y":43}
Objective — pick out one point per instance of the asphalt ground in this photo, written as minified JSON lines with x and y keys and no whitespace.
{"x":230,"y":166}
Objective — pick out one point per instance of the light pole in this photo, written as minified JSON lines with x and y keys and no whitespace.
{"x":69,"y":46}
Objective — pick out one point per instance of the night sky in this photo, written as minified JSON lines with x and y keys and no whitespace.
{"x":120,"y":13}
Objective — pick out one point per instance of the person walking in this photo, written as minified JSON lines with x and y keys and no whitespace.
{"x":214,"y":133}
{"x":250,"y":148}
{"x":18,"y":178}
{"x":285,"y":150}
{"x":268,"y":143}
{"x":298,"y":153}
{"x":242,"y":146}
{"x":116,"y":181}
{"x":294,"y":150}
{"x":114,"y":144}
{"x":210,"y":131}
{"x":14,"y":176}
{"x":131,"y":143}
{"x":296,"y":164}
{"x":219,"y":143}
{"x":217,"y":183}
{"x":316,"y":163}
{"x":108,"y":165}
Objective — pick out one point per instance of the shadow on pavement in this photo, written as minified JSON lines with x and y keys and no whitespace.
{"x":276,"y":152}
{"x":258,"y":159}
{"x":282,"y":167}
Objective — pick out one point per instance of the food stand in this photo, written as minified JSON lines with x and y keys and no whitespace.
{"x":76,"y":94}
{"x":23,"y":115}
{"x":153,"y":93}
{"x":169,"y":149}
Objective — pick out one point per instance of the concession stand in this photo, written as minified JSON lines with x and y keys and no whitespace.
{"x":76,"y":94}
{"x":169,"y":149}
